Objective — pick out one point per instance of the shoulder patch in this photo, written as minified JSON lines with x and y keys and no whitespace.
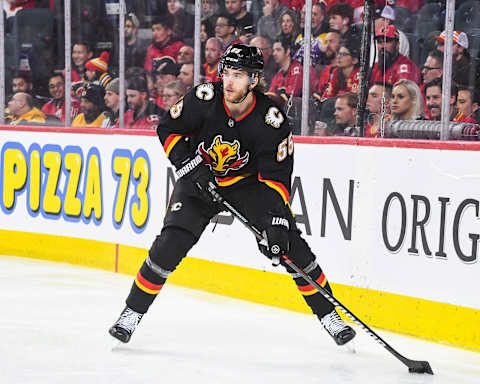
{"x":176,"y":109}
{"x":205,"y":91}
{"x":274,"y":117}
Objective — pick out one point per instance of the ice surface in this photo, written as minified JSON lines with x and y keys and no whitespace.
{"x":54,"y":320}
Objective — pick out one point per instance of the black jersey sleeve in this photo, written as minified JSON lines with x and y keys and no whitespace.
{"x":182,"y":122}
{"x":275,"y":153}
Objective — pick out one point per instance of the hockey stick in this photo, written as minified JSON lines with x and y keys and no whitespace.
{"x":414,"y":366}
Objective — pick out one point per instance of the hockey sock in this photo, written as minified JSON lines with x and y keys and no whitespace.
{"x":168,"y":249}
{"x":315,"y":300}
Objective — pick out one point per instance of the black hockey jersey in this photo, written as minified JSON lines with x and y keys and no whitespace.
{"x":258,"y":146}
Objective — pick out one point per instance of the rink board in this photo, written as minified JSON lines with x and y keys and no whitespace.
{"x":394,"y":224}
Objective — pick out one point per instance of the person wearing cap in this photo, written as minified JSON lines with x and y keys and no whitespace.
{"x":385,"y":15}
{"x":461,"y":63}
{"x":142,"y":113}
{"x":165,"y":70}
{"x":213,"y":54}
{"x":112,"y":102}
{"x":345,"y":77}
{"x":135,"y":48}
{"x":392,"y":65}
{"x":93,"y":107}
{"x":163,"y":44}
{"x":96,"y":70}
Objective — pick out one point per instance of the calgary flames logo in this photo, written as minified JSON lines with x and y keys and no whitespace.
{"x":223,"y":156}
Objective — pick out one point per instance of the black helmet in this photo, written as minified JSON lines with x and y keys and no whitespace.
{"x":243,"y":57}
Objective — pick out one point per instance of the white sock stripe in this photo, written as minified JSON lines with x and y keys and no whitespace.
{"x":157,"y":269}
{"x":309,"y":268}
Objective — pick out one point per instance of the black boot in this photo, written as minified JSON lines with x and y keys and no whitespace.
{"x":125,"y":325}
{"x":341,"y":332}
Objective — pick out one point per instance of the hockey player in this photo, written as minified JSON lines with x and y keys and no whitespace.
{"x":230,"y":134}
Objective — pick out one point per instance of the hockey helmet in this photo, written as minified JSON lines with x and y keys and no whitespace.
{"x":244,"y":57}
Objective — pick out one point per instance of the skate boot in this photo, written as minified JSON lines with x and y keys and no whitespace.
{"x":125,"y":325}
{"x":341,"y":332}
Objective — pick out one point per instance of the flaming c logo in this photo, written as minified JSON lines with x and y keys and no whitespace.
{"x":223,"y":156}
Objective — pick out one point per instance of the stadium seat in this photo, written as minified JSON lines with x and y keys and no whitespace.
{"x":34,"y":33}
{"x":467,"y":16}
{"x":403,"y":19}
{"x":430,"y":18}
{"x":11,"y":60}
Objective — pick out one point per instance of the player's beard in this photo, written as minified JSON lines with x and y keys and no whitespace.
{"x":236,"y":96}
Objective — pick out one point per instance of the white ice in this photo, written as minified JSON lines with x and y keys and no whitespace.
{"x":54,"y":320}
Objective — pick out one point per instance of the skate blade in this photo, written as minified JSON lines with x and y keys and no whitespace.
{"x":115,"y":344}
{"x":350,"y":346}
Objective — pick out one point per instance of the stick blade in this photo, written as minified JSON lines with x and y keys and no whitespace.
{"x":419,"y":367}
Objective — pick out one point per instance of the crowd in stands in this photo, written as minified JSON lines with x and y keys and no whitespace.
{"x":406,"y":63}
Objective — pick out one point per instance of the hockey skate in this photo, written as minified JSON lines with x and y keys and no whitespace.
{"x":125,"y":325}
{"x":340,"y":332}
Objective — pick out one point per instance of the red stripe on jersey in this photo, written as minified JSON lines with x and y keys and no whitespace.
{"x":245,"y":114}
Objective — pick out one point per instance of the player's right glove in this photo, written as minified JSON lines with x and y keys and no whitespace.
{"x":276,"y":239}
{"x":201,"y":177}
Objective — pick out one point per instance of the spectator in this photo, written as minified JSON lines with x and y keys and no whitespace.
{"x":213,"y":54}
{"x":320,"y":26}
{"x":163,"y":43}
{"x":270,"y":67}
{"x":345,"y":113}
{"x":461,"y":58}
{"x":185,"y":55}
{"x":385,"y":15}
{"x":433,"y":93}
{"x":165,"y":70}
{"x":340,"y":18}
{"x":407,"y":101}
{"x":186,"y":75}
{"x":81,"y":53}
{"x":143,"y":114}
{"x":182,"y":21}
{"x":289,"y":26}
{"x":378,"y":106}
{"x":112,"y":102}
{"x":225,"y":30}
{"x":243,"y":19}
{"x":209,"y":17}
{"x":269,"y":24}
{"x":135,"y":48}
{"x":22,"y":82}
{"x":432,"y":69}
{"x":22,"y":111}
{"x":468,"y":102}
{"x":96,"y":70}
{"x":93,"y":108}
{"x":344,"y":77}
{"x":206,"y":32}
{"x":56,"y":106}
{"x":332,"y":45}
{"x":287,"y":82}
{"x":392,"y":66}
{"x":172,"y":92}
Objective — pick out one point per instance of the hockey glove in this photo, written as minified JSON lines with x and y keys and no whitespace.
{"x":275,"y":239}
{"x":201,"y":177}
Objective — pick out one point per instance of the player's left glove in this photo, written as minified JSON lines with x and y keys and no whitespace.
{"x":201,"y":177}
{"x":276,"y":239}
